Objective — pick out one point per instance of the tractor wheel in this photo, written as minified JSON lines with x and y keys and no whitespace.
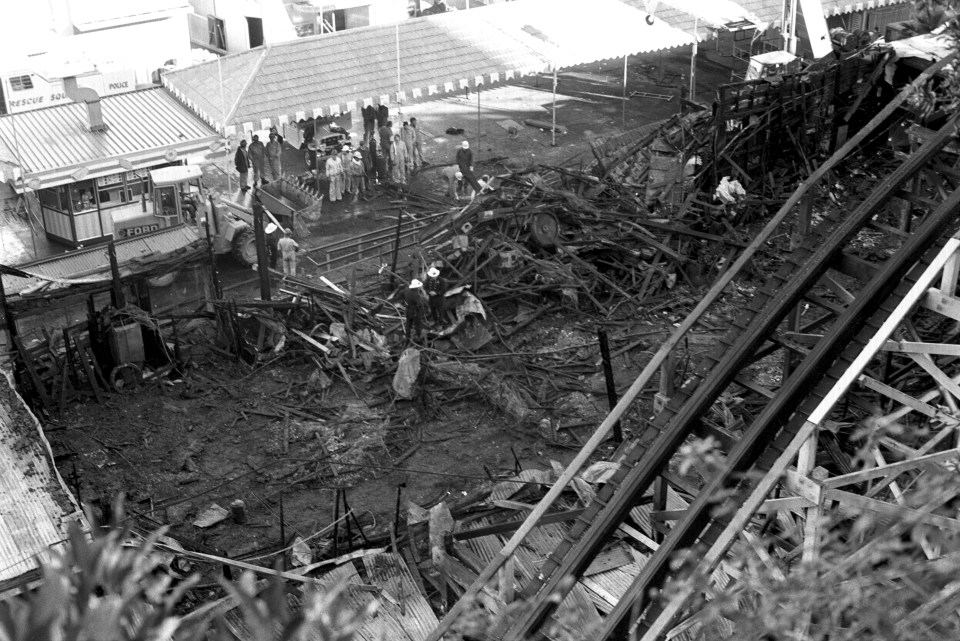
{"x":244,"y":248}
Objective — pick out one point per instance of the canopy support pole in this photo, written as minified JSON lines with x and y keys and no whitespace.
{"x":223,"y":116}
{"x":399,"y":99}
{"x":693,"y":61}
{"x":623,"y":102}
{"x":553,"y":128}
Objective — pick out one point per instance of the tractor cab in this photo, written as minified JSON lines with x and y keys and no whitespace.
{"x":175,"y":193}
{"x":773,"y":63}
{"x":171,"y":203}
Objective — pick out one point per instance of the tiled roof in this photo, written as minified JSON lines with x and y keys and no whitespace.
{"x":142,"y":126}
{"x":334,"y":73}
{"x":35,"y":506}
{"x":93,"y":264}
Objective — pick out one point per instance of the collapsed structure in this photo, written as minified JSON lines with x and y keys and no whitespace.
{"x":609,"y":240}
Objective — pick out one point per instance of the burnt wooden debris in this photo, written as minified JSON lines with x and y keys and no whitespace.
{"x":606,"y":253}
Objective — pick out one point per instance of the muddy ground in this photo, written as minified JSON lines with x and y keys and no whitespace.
{"x":273,"y":438}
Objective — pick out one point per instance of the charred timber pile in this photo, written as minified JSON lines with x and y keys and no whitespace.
{"x":595,"y":242}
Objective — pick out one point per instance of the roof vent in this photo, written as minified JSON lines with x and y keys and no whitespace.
{"x":90,"y":99}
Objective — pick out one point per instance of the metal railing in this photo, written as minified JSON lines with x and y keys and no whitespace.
{"x":377,"y":244}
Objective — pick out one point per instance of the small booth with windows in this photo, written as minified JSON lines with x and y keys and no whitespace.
{"x":97,"y":209}
{"x":91,"y":175}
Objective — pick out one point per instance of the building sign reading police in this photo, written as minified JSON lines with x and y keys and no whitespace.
{"x":48,"y":94}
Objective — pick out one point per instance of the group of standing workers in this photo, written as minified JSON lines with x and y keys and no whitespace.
{"x":381,"y":156}
{"x":264,"y":159}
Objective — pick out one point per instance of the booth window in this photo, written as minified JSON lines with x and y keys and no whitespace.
{"x":50,"y":199}
{"x":82,"y":197}
{"x":110,"y":191}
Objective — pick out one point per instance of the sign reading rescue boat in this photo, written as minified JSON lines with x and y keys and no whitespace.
{"x":24,"y":91}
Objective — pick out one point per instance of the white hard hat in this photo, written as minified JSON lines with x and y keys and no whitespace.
{"x":415,"y":284}
{"x":465,"y":144}
{"x":433,"y":272}
{"x":459,"y":175}
{"x":270,"y":228}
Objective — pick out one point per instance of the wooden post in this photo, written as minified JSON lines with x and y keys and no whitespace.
{"x":283,"y":525}
{"x":8,"y":319}
{"x":396,"y":516}
{"x":804,"y":222}
{"x":659,"y":505}
{"x":217,"y":287}
{"x":611,"y":385}
{"x":396,"y":250}
{"x":238,"y":511}
{"x":667,"y":371}
{"x":116,"y":291}
{"x":336,"y":522}
{"x":263,"y":258}
{"x":346,"y":519}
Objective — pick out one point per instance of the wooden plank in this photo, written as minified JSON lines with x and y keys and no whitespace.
{"x":856,"y":267}
{"x":310,"y":341}
{"x":638,"y":536}
{"x":937,"y":374}
{"x":935,"y":300}
{"x":38,"y":383}
{"x":912,"y":347}
{"x":510,"y":526}
{"x":889,"y":469}
{"x":898,"y":396}
{"x":849,"y":499}
{"x":88,"y":370}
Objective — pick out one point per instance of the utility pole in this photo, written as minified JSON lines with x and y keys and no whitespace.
{"x":263,"y":257}
{"x":116,"y":290}
{"x":477,"y":159}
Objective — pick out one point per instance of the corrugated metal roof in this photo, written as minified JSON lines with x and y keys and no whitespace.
{"x":334,"y":73}
{"x":93,"y":264}
{"x":388,"y":572}
{"x":927,"y":46}
{"x":142,"y":126}
{"x":719,"y":14}
{"x":35,"y":505}
{"x":767,"y":11}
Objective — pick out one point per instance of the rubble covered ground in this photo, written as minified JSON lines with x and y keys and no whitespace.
{"x":296,"y":409}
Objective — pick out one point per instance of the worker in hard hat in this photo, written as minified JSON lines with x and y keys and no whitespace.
{"x":272,"y":233}
{"x":413,"y":297}
{"x":465,"y":165}
{"x":453,"y":178}
{"x":288,"y":251}
{"x":435,"y":289}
